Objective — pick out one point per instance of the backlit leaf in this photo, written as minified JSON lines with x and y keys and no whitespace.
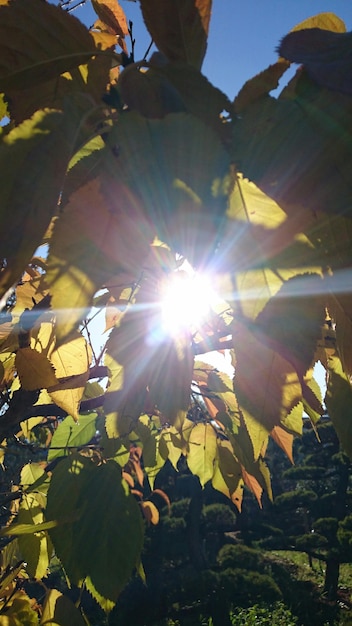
{"x":40,"y":148}
{"x":58,"y":610}
{"x":263,"y":405}
{"x":108,"y":511}
{"x":293,"y":318}
{"x":227,"y":476}
{"x":338,"y":402}
{"x":183,"y":184}
{"x":284,"y":440}
{"x":35,"y":548}
{"x":93,"y":239}
{"x":34,"y":369}
{"x":179,"y":27}
{"x":202,"y":452}
{"x":71,"y":434}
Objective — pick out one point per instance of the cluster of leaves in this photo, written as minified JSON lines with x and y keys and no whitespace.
{"x":118,"y":166}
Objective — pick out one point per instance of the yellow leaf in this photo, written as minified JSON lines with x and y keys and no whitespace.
{"x":111,"y":14}
{"x":325,"y":21}
{"x":27,"y":425}
{"x":71,"y":358}
{"x":261,"y":231}
{"x":227,"y":475}
{"x":56,"y":606}
{"x":34,"y":369}
{"x":202,"y":452}
{"x":68,"y":394}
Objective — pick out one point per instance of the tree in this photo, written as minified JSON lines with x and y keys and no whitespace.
{"x":123,"y":168}
{"x":320,"y":503}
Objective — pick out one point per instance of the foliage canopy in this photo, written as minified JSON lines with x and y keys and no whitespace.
{"x":123,"y":168}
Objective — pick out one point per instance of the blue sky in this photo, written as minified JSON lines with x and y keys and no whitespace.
{"x":243,"y":35}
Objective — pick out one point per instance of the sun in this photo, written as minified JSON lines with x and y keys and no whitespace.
{"x":186,"y":302}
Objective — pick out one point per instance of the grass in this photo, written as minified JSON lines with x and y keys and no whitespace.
{"x":316,"y":575}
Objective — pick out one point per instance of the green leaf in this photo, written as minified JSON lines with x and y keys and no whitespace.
{"x":36,"y":547}
{"x":338,"y":402}
{"x":110,"y":512}
{"x":202,"y":452}
{"x":23,"y":528}
{"x":65,"y":497}
{"x":58,"y":610}
{"x":70,"y":434}
{"x":179,"y":28}
{"x":39,"y":42}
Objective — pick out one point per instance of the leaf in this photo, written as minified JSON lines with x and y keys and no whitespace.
{"x":325,"y":55}
{"x":70,"y":434}
{"x":171,"y":437}
{"x":24,"y":528}
{"x":108,"y":511}
{"x":71,"y":358}
{"x":253,"y":485}
{"x":35,"y":548}
{"x":292,"y":320}
{"x":92,"y":240}
{"x":47,"y":42}
{"x":68,"y":394}
{"x":198,"y":95}
{"x":111,"y":14}
{"x":284,"y":440}
{"x":40,"y":148}
{"x":338,"y":400}
{"x":179,"y":27}
{"x":28,"y":425}
{"x":324,"y":21}
{"x":265,"y":239}
{"x":34,"y":369}
{"x":30,"y":473}
{"x":19,"y":610}
{"x":314,"y":124}
{"x":185,"y":197}
{"x":58,"y":610}
{"x":202,"y":452}
{"x":266,"y":385}
{"x":260,"y":85}
{"x":150,"y":512}
{"x":227,"y":476}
